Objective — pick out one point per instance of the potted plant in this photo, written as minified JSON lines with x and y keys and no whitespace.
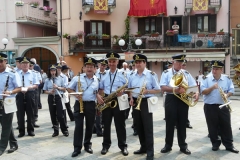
{"x":170,"y":33}
{"x":54,"y":12}
{"x":105,"y":36}
{"x":138,"y":34}
{"x":79,"y":45}
{"x":80,"y":34}
{"x":154,"y":34}
{"x":34,"y":4}
{"x":41,"y":8}
{"x":221,"y":32}
{"x":66,"y":35}
{"x":19,"y":3}
{"x":47,"y":8}
{"x":92,"y":36}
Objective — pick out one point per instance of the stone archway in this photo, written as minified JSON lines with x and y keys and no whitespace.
{"x":44,"y":56}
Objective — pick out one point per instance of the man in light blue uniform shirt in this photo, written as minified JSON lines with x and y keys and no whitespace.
{"x":25,"y":99}
{"x":176,"y":110}
{"x":216,"y":89}
{"x":148,"y":86}
{"x":9,"y":84}
{"x":89,"y":85}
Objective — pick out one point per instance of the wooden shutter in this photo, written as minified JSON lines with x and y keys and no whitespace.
{"x":159,"y":25}
{"x":87,"y":30}
{"x":212,"y":23}
{"x":193,"y":26}
{"x":141,"y":25}
{"x":166,"y":24}
{"x":108,"y":28}
{"x":185,"y":24}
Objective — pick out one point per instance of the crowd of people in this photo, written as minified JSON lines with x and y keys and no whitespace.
{"x":100,"y":97}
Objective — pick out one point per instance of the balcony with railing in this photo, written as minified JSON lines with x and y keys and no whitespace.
{"x":212,"y":4}
{"x":87,"y":5}
{"x":35,"y":16}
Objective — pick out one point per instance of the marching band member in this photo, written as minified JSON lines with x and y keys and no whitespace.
{"x":176,"y":110}
{"x":9,"y":84}
{"x":101,"y":74}
{"x":85,"y":106}
{"x":143,"y":118}
{"x":108,"y":85}
{"x":54,"y":86}
{"x":214,"y":88}
{"x":25,"y":98}
{"x":236,"y":78}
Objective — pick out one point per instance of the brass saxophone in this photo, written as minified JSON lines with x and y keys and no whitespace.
{"x":225,"y":100}
{"x":80,"y":90}
{"x":139,"y":99}
{"x":236,"y":80}
{"x":108,"y":101}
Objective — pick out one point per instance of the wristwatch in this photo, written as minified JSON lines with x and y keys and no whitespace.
{"x":10,"y":92}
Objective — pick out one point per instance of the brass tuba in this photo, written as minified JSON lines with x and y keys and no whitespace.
{"x":80,"y":90}
{"x":236,"y":80}
{"x":179,"y":80}
{"x":108,"y":101}
{"x":225,"y":100}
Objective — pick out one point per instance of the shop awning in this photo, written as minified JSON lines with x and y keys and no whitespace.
{"x":162,"y":57}
{"x":144,"y":8}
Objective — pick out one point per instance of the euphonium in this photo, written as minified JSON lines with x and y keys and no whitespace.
{"x":225,"y":100}
{"x":236,"y":80}
{"x":108,"y":101}
{"x":80,"y":90}
{"x":179,"y":80}
{"x":139,"y":99}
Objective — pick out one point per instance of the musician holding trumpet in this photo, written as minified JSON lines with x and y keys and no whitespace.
{"x":216,"y":89}
{"x":84,"y":87}
{"x":147,"y":86}
{"x":176,"y":108}
{"x":54,"y":87}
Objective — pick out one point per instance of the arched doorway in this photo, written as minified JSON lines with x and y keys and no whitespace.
{"x":43,"y":56}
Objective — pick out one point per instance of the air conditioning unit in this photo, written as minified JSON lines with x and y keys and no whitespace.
{"x":200,"y":44}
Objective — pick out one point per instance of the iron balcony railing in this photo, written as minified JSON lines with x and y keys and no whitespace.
{"x":90,"y":2}
{"x":210,"y":2}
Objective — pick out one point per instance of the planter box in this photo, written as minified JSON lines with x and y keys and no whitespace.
{"x":105,"y":37}
{"x":92,"y":37}
{"x":138,"y":35}
{"x":19,"y":4}
{"x":212,"y":35}
{"x":170,"y":34}
{"x":201,"y":35}
{"x":33,"y":6}
{"x":80,"y":36}
{"x":221,"y":33}
{"x":154,"y":35}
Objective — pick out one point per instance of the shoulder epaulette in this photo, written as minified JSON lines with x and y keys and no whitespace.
{"x":187,"y":72}
{"x":13,"y":71}
{"x":165,"y":71}
{"x":153,"y":73}
{"x":204,"y":77}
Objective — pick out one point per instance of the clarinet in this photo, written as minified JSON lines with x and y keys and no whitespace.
{"x":5,"y":89}
{"x":24,"y":97}
{"x":54,"y":102}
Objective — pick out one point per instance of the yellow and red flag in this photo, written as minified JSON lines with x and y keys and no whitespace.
{"x":101,"y":6}
{"x":200,"y":5}
{"x":144,"y":8}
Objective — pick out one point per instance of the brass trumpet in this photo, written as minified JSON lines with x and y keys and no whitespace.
{"x":225,"y":100}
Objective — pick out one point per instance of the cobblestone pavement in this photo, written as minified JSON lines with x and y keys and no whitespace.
{"x":44,"y":147}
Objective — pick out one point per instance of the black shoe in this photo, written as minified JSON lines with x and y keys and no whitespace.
{"x":189,"y":126}
{"x":124,"y":152}
{"x":104,"y":151}
{"x":165,"y":150}
{"x":215,"y":148}
{"x":135,"y":133}
{"x":234,"y":150}
{"x":17,"y":127}
{"x":89,"y":150}
{"x":72,"y":120}
{"x":65,"y":133}
{"x":76,"y":153}
{"x":36,"y":119}
{"x":31,"y":134}
{"x":67,"y":126}
{"x":208,"y":136}
{"x":36,"y":126}
{"x":55,"y":134}
{"x":164,"y":119}
{"x":185,"y":151}
{"x":132,"y":126}
{"x":21,"y":135}
{"x":99,"y":135}
{"x":11,"y":150}
{"x":139,"y":152}
{"x":39,"y":107}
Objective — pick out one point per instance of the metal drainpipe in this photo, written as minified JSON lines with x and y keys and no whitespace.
{"x":61,"y":26}
{"x":5,"y":23}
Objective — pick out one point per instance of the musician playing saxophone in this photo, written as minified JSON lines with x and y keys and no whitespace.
{"x":53,"y":86}
{"x":148,"y":86}
{"x":113,"y":80}
{"x":89,"y":85}
{"x":176,"y":110}
{"x":218,"y":118}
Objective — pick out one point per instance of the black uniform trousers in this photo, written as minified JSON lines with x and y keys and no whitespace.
{"x":119,"y":120}
{"x":89,"y":112}
{"x":97,"y":124}
{"x":69,"y":111}
{"x":176,"y":112}
{"x":219,"y":119}
{"x":25,"y":106}
{"x":36,"y":93}
{"x":144,"y":125}
{"x":56,"y":113}
{"x":39,"y":98}
{"x":7,"y":131}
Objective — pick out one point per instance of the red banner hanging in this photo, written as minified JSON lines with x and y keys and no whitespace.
{"x":101,"y":6}
{"x":144,"y":8}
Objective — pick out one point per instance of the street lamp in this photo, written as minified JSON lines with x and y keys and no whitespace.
{"x":121,"y":43}
{"x":5,"y":42}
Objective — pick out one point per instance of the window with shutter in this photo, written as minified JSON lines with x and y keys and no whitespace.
{"x":193,"y":26}
{"x":185,"y":24}
{"x":213,"y":23}
{"x":141,"y":25}
{"x":147,"y":25}
{"x":159,"y":25}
